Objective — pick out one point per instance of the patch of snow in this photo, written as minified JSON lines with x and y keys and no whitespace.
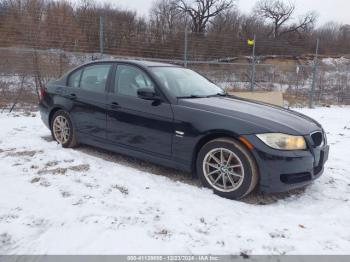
{"x":65,"y":201}
{"x":335,"y":61}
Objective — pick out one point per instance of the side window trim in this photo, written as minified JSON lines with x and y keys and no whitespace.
{"x":81,"y":76}
{"x":115,"y":86}
{"x":111,"y":83}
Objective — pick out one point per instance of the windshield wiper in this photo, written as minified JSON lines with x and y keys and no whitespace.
{"x":190,"y":96}
{"x":197,"y":96}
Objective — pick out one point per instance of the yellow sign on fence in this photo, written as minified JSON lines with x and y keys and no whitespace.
{"x":250,"y":42}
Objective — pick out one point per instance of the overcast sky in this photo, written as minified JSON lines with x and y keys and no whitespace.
{"x":328,"y":10}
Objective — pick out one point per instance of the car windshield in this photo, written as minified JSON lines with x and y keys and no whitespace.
{"x":185,"y":83}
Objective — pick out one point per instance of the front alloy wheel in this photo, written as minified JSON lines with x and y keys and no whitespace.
{"x":223,"y":169}
{"x":227,"y":167}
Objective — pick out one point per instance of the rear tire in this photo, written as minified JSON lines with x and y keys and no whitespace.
{"x":62,"y":129}
{"x":227,"y":167}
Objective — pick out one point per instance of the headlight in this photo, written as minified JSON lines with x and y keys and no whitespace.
{"x":283,"y":141}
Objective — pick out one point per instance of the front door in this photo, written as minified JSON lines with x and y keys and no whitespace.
{"x":136,"y":123}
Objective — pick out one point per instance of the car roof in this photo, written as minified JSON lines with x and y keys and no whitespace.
{"x":143,"y":63}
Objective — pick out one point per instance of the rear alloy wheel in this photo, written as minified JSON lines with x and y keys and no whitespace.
{"x":228,"y":168}
{"x":62,"y":129}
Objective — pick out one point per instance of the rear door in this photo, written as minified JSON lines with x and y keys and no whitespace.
{"x":134,"y":122}
{"x":88,"y":90}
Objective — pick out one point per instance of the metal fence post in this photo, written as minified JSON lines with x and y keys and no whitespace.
{"x":252,"y":80}
{"x":186,"y":47}
{"x":297,"y":81}
{"x":347,"y":91}
{"x":60,"y":63}
{"x":314,"y":76}
{"x":101,"y":36}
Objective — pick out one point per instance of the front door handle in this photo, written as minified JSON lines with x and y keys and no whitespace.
{"x":115,"y":105}
{"x":72,"y":96}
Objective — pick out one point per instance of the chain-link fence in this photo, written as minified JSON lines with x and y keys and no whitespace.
{"x":32,"y":53}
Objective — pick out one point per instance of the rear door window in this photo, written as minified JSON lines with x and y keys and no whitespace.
{"x":94,"y":77}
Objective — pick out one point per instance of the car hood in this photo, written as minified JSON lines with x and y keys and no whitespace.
{"x":270,"y":118}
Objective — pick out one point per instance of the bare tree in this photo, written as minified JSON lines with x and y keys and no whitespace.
{"x":19,"y":94}
{"x":202,"y":11}
{"x":280,"y":14}
{"x":345,"y":32}
{"x":61,"y":27}
{"x":253,"y":25}
{"x":306,"y":23}
{"x":229,"y":22}
{"x":165,"y":17}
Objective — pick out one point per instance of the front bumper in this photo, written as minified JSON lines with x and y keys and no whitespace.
{"x":281,"y":171}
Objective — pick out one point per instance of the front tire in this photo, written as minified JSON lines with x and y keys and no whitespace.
{"x":62,"y":129}
{"x":227,"y":167}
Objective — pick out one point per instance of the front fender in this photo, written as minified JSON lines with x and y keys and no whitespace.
{"x":194,"y":127}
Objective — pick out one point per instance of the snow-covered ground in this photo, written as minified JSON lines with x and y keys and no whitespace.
{"x":86,"y":201}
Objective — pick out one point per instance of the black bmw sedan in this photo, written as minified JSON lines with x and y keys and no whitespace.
{"x":175,"y":117}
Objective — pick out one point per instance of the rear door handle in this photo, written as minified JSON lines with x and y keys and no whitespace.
{"x":115,"y":105}
{"x":59,"y":90}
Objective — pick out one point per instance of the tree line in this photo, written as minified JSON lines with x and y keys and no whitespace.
{"x":216,"y":28}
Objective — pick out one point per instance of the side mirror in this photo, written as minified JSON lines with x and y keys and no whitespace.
{"x":147,"y":94}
